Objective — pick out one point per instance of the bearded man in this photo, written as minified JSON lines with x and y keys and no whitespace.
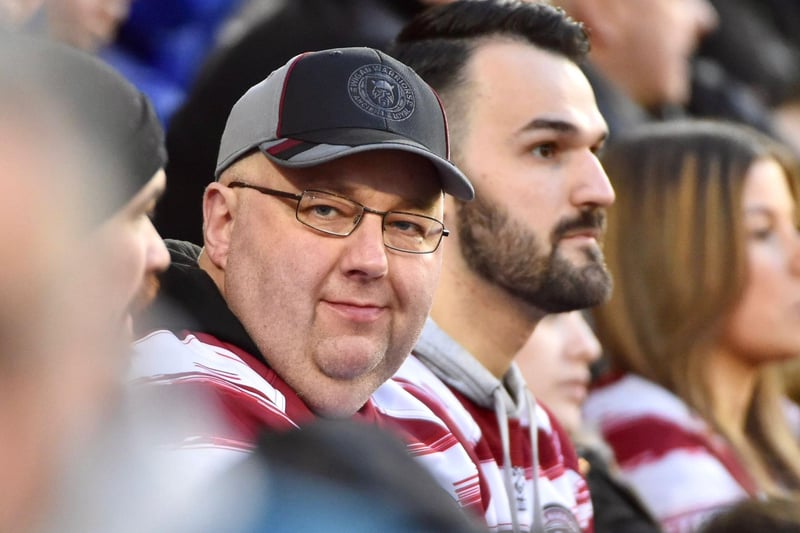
{"x":525,"y":129}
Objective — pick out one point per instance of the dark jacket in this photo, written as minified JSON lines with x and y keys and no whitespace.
{"x":617,"y":509}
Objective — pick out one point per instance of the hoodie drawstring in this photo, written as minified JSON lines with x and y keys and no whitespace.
{"x":533,"y":428}
{"x":502,"y":423}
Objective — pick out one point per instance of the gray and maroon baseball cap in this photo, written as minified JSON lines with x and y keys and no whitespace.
{"x":324,"y":105}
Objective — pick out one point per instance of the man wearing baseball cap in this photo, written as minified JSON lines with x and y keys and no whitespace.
{"x":323,"y":238}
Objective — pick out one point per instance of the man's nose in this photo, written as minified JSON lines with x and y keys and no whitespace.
{"x":366,"y":254}
{"x":592,"y":186}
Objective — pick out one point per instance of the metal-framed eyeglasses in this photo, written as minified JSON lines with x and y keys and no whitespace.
{"x":339,"y":216}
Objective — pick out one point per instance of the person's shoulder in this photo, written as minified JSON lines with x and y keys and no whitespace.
{"x":666,"y":451}
{"x":633,"y":398}
{"x":423,"y":420}
{"x":243,"y":386}
{"x":164,"y":352}
{"x":418,"y":380}
{"x":432,"y":437}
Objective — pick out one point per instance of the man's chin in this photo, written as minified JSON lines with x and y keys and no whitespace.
{"x":586,"y":287}
{"x":344,"y":406}
{"x":594,"y":287}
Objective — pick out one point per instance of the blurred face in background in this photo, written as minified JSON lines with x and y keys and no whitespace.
{"x":68,"y":280}
{"x":15,"y":12}
{"x":766,"y":323}
{"x":656,"y":40}
{"x":66,"y":293}
{"x":44,"y":353}
{"x":644,"y":47}
{"x":555,"y":363}
{"x":85,"y":24}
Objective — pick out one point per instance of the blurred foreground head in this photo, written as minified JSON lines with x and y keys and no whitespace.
{"x":81,"y":166}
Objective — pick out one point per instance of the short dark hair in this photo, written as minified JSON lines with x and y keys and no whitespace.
{"x":439,"y":41}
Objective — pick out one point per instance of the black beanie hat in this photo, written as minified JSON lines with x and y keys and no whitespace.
{"x":114,"y":115}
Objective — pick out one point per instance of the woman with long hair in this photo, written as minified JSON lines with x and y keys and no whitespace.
{"x":705,"y":251}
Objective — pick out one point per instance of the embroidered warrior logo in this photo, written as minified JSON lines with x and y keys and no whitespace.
{"x":381,"y":91}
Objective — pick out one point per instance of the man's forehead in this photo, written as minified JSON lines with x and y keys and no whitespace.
{"x":508,"y":53}
{"x":532,"y":89}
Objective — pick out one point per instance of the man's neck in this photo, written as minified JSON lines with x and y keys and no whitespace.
{"x":483,"y":318}
{"x":216,"y":275}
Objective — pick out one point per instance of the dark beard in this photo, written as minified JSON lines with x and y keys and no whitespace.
{"x":507,"y":254}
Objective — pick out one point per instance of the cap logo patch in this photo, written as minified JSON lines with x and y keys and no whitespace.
{"x":381,"y":91}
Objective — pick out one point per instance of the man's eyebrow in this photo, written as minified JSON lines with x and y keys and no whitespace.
{"x":561,"y":126}
{"x":349,"y":190}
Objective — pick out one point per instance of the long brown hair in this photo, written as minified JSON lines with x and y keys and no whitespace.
{"x":676,"y":246}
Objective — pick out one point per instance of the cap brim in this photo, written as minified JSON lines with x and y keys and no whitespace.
{"x":294,"y":153}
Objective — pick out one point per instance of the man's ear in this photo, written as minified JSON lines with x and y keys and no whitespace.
{"x":219,"y":213}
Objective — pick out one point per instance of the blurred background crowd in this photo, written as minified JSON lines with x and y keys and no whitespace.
{"x":733,"y":59}
{"x":652,"y":63}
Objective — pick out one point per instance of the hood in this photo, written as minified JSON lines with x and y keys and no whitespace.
{"x":509,"y":398}
{"x":460,"y":370}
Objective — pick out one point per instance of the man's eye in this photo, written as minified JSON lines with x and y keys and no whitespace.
{"x":546,"y":150}
{"x":406,"y":226}
{"x":325,"y":211}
